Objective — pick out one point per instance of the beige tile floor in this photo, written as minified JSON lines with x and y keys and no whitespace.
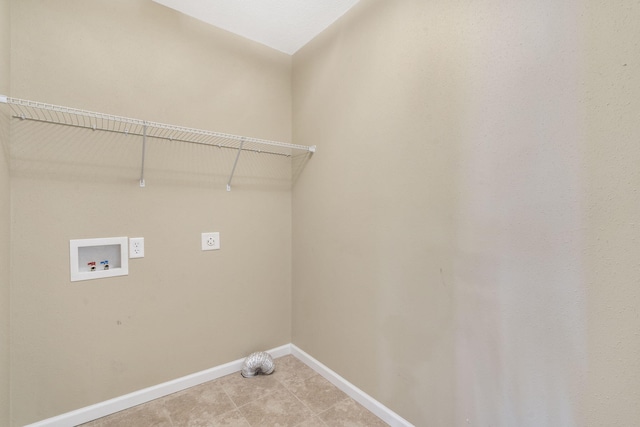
{"x":294,"y":395}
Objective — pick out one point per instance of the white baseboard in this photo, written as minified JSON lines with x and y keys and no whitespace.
{"x":108,"y":407}
{"x":377,"y":408}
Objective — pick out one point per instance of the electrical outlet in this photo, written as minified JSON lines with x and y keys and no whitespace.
{"x":136,"y":247}
{"x":210,"y":241}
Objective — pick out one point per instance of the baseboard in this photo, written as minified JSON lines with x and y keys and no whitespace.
{"x":139,"y":397}
{"x":377,"y":408}
{"x":108,"y":407}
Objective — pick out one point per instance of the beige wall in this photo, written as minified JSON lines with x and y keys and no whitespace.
{"x":465,"y":245}
{"x":180,"y":310}
{"x":5,"y":199}
{"x":465,"y":241}
{"x":612,"y":208}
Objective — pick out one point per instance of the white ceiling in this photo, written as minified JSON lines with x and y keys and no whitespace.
{"x":285,"y":25}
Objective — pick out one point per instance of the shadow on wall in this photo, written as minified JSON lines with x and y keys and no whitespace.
{"x":55,"y":152}
{"x":519,"y":276}
{"x":454,"y":131}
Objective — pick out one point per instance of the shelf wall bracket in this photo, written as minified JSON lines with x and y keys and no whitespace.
{"x":144,"y":150}
{"x":234,"y":165}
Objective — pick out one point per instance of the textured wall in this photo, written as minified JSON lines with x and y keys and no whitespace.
{"x":611,"y":210}
{"x":465,"y":248}
{"x":180,"y":310}
{"x":4,"y":213}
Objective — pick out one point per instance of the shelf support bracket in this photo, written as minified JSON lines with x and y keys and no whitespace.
{"x":144,"y":149}
{"x":235,"y":164}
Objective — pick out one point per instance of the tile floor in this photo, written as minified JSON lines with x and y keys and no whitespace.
{"x":294,"y":395}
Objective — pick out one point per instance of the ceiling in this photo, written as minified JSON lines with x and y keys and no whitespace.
{"x":285,"y":25}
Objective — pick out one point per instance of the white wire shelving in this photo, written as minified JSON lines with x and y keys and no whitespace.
{"x":41,"y":112}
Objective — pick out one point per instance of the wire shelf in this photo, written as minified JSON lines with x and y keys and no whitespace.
{"x":67,"y":116}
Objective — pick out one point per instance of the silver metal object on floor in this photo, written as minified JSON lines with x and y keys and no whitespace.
{"x":256,"y":363}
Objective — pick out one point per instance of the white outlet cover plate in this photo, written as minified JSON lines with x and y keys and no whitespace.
{"x":211,"y":241}
{"x":136,"y":247}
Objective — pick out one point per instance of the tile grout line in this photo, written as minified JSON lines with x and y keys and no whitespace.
{"x":329,"y":408}
{"x":237,"y":408}
{"x":297,"y":398}
{"x":306,"y":406}
{"x":163,"y":401}
{"x":235,"y":405}
{"x":303,"y":404}
{"x":167,"y":413}
{"x":317,"y":416}
{"x":284,"y":386}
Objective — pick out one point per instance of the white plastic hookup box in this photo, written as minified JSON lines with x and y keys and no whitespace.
{"x":98,"y":258}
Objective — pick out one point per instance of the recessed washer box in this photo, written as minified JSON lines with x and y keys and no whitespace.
{"x":98,"y":258}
